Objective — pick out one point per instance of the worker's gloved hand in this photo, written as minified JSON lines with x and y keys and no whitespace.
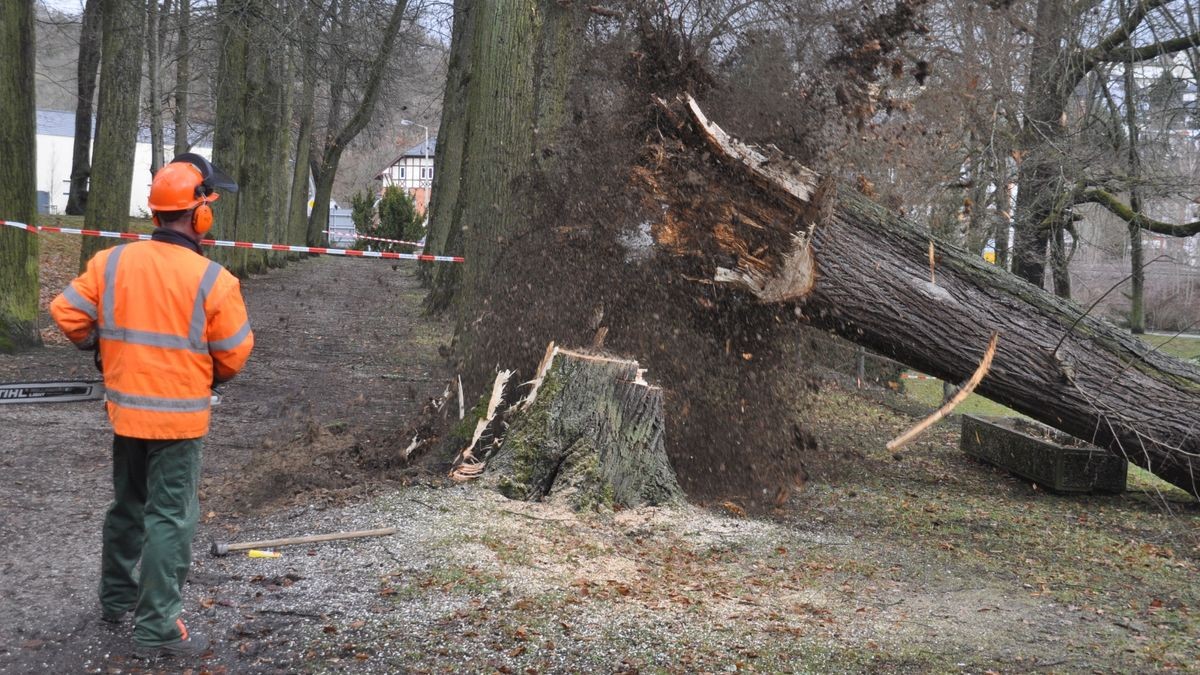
{"x":89,"y":343}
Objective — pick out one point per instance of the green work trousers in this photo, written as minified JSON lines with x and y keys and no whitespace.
{"x":152,"y":518}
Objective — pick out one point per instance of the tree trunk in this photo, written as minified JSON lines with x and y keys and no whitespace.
{"x":318,"y":218}
{"x":298,"y":211}
{"x":154,"y":81}
{"x":18,"y":191}
{"x":1137,"y":272}
{"x":591,"y":435}
{"x":85,"y":91}
{"x":501,"y":141}
{"x":281,"y":174}
{"x":117,"y":122}
{"x":183,"y":76}
{"x":523,"y":52}
{"x":229,"y":134}
{"x":444,"y":237}
{"x":298,"y":200}
{"x":260,"y":117}
{"x":1038,"y":182}
{"x":863,"y":272}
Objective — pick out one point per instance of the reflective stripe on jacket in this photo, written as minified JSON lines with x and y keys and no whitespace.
{"x":169,"y":322}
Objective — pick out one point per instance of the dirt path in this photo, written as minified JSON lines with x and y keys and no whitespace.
{"x":342,"y":362}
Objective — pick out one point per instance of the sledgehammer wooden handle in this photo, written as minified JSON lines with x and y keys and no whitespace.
{"x":222,"y":549}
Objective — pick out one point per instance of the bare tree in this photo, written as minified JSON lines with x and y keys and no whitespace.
{"x":1044,"y":197}
{"x":341,"y":127}
{"x":85,"y":90}
{"x":117,"y":124}
{"x":18,"y":129}
{"x":183,"y":75}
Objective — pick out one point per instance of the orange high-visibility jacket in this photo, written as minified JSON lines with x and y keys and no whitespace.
{"x":165,"y":317}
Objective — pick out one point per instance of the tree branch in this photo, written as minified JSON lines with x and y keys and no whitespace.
{"x":366,"y":106}
{"x":1123,"y":211}
{"x":1126,"y":54}
{"x":1112,"y":42}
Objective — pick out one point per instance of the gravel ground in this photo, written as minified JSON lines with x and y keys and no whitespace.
{"x":918,"y":561}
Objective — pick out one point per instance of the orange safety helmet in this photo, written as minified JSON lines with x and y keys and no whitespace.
{"x":189,"y":182}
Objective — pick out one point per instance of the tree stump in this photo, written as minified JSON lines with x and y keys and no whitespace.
{"x":590,"y":432}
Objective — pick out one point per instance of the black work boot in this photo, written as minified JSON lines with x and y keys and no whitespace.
{"x":114,"y":619}
{"x":193,"y":646}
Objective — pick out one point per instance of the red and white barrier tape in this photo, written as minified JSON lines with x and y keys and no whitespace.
{"x":917,"y":376}
{"x":390,"y":241}
{"x":243,"y":244}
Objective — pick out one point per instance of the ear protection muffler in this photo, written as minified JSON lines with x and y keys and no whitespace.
{"x":202,"y":218}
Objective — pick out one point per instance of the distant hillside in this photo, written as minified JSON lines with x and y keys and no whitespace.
{"x":57,"y":43}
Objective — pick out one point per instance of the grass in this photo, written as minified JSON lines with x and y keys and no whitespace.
{"x":929,"y":392}
{"x":1180,"y":347}
{"x":1102,"y":560}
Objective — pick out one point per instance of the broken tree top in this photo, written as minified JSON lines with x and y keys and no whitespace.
{"x":757,"y":223}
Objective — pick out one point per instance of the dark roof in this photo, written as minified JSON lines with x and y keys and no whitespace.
{"x":56,"y":123}
{"x":62,"y":123}
{"x":419,"y":150}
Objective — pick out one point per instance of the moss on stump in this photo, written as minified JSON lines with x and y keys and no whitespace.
{"x":593,"y":435}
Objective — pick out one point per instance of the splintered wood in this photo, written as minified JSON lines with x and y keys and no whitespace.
{"x":589,"y":431}
{"x":963,"y":393}
{"x":470,"y":462}
{"x":767,"y":243}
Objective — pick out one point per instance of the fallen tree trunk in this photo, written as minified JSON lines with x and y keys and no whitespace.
{"x":758,"y":224}
{"x":590,"y":432}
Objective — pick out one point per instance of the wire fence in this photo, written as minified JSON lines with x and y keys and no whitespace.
{"x":849,"y":360}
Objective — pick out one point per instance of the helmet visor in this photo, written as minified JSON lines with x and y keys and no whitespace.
{"x":213,"y":177}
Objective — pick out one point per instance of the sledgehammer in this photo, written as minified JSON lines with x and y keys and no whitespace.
{"x":224,"y":549}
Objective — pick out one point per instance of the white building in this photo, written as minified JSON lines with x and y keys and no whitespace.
{"x":413,"y":171}
{"x":55,"y":141}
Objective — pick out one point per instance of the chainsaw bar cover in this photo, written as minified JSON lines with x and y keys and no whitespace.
{"x":51,"y":392}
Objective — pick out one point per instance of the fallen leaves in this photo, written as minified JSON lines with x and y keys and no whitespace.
{"x":734,"y":509}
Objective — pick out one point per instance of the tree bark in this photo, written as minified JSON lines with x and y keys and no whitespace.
{"x":229,"y":134}
{"x":18,"y":191}
{"x":183,"y":77}
{"x":850,"y":266}
{"x":154,"y":79}
{"x":117,"y":122}
{"x":523,"y":52}
{"x":298,"y":200}
{"x":592,"y":435}
{"x":444,"y":236}
{"x":85,"y":92}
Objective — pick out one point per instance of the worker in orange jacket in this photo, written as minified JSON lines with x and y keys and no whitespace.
{"x":169,"y":324}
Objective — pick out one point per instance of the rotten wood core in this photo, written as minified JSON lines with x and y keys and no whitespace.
{"x":731,"y":217}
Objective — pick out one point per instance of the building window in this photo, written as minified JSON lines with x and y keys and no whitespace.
{"x":400,"y":172}
{"x":427,"y":172}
